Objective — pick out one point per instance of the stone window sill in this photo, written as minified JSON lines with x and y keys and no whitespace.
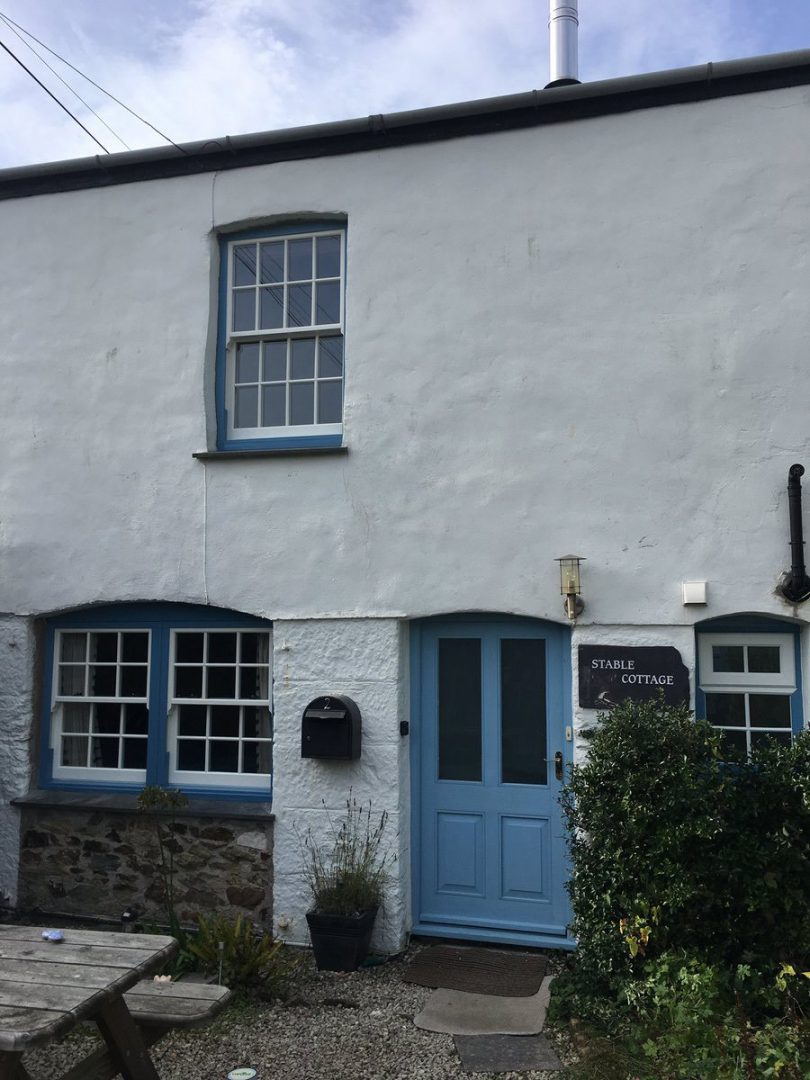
{"x":280,"y":451}
{"x":125,"y":802}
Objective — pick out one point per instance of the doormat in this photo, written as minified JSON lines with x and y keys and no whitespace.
{"x":506,"y":1053}
{"x":477,"y":971}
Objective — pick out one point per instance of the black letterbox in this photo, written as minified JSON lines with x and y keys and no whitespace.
{"x":331,"y":728}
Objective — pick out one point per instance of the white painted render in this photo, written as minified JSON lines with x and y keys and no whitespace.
{"x":586,"y":337}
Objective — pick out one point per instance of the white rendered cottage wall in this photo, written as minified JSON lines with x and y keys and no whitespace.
{"x":366,"y":659}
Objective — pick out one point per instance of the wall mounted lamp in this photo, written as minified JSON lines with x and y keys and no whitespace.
{"x":571,"y":585}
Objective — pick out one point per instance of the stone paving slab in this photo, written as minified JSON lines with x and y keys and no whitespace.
{"x":455,"y":1012}
{"x":506,"y":1053}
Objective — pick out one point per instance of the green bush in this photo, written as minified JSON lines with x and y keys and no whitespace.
{"x":673,"y":848}
{"x":241,"y":959}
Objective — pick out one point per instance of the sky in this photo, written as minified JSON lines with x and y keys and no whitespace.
{"x":201,"y":69}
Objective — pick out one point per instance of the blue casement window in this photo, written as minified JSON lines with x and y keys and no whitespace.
{"x":749,"y":684}
{"x":168,"y":694}
{"x":280,"y":342}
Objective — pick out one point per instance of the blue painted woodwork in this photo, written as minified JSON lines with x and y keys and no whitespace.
{"x":160,"y":618}
{"x":287,"y":442}
{"x":489,"y":858}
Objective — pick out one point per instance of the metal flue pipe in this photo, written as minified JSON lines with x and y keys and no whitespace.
{"x":563,"y":25}
{"x":796,"y":585}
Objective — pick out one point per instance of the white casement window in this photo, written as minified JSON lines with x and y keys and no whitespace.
{"x":284,"y":339}
{"x":748,"y":681}
{"x":220,"y":723}
{"x":100,"y":713}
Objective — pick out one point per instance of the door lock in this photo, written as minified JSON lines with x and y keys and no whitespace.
{"x":558,"y":765}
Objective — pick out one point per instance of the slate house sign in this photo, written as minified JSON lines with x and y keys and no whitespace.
{"x":610,"y":673}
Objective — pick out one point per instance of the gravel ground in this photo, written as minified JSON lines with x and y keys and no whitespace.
{"x":332,"y":1027}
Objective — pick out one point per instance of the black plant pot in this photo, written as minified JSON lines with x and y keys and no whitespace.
{"x":340,"y":942}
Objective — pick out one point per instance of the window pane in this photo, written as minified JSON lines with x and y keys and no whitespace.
{"x":257,"y":758}
{"x":272,"y":261}
{"x":734,"y":744}
{"x":104,"y":647}
{"x":221,"y":682}
{"x":224,"y":756}
{"x":459,"y":709}
{"x":244,"y":264}
{"x":189,"y":648}
{"x":188,"y":682}
{"x":75,"y":717}
{"x":330,"y":402}
{"x":107,"y":719}
{"x":74,"y":751}
{"x":299,"y":259}
{"x":135,"y":647}
{"x":726,"y":710}
{"x":222,"y":648}
{"x":327,"y":302}
{"x":760,"y":739}
{"x":258,"y":723}
{"x":133,"y":681}
{"x":247,"y":406}
{"x":330,"y":357}
{"x":249,"y":647}
{"x":104,"y":753}
{"x":225,"y":721}
{"x":271,"y":308}
{"x":191,"y":755}
{"x":769,"y":710}
{"x":71,"y":680}
{"x":192,"y":720}
{"x":274,"y":405}
{"x":244,"y":309}
{"x":302,"y":403}
{"x":523,"y":711}
{"x":275,"y":361}
{"x":252,"y":683}
{"x":102,"y":681}
{"x":728,"y":657}
{"x":328,"y":256}
{"x":302,"y":359}
{"x":136,"y":719}
{"x":299,"y":305}
{"x":763,"y":658}
{"x":74,"y":647}
{"x":247,"y":363}
{"x":135,"y":753}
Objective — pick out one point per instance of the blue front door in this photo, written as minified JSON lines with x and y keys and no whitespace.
{"x":491,"y":710}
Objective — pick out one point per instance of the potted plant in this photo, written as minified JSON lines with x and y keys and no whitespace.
{"x":346,"y":875}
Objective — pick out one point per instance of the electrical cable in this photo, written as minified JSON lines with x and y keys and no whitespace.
{"x":112,"y":97}
{"x":64,"y":82}
{"x":55,"y":98}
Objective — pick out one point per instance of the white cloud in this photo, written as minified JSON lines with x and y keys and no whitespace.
{"x":205,"y":68}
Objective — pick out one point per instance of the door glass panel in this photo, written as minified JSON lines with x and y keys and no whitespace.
{"x":459,"y":709}
{"x":523,"y":711}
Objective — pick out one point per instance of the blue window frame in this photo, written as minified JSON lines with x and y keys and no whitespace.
{"x":750,"y":681}
{"x":171,"y":694}
{"x":279,"y":379}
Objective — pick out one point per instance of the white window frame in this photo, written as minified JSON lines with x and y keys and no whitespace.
{"x":88,"y":773}
{"x":758,"y":682}
{"x":233,"y":338}
{"x":216,"y":780}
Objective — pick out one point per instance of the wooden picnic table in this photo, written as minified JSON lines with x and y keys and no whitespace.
{"x":46,"y":988}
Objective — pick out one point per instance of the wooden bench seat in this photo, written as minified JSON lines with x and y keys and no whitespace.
{"x":157,"y":1008}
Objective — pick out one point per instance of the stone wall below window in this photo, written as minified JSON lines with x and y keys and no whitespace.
{"x":93,"y":862}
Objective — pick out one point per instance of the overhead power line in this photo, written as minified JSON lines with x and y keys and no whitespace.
{"x":64,"y":82}
{"x":55,"y":98}
{"x":72,"y":67}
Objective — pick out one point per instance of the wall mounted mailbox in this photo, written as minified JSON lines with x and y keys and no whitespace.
{"x":331,"y":728}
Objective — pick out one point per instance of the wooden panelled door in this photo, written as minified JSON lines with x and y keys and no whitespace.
{"x":492,"y":703}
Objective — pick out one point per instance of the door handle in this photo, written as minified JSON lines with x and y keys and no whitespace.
{"x":558,"y":765}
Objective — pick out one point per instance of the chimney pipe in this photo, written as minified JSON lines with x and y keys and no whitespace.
{"x":563,"y":24}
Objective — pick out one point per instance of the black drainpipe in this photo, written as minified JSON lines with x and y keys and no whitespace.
{"x":796,"y":585}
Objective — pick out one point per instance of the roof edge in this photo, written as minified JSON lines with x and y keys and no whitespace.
{"x":533,"y":108}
